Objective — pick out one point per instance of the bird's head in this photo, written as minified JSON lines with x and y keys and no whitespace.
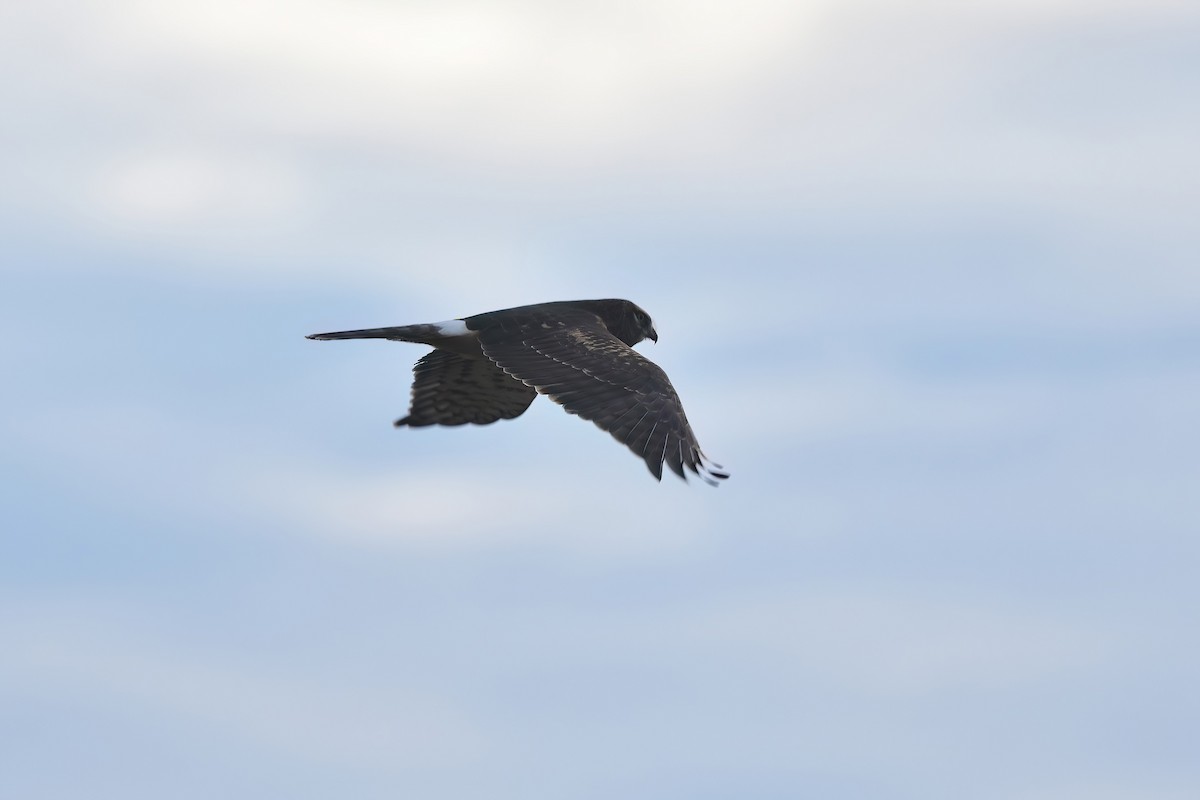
{"x":644,"y":325}
{"x":625,"y":320}
{"x":634,"y":325}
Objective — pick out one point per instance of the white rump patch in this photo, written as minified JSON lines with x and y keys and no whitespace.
{"x":452,"y":327}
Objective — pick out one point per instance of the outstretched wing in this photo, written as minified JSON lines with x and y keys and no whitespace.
{"x":450,"y":389}
{"x":570,"y":355}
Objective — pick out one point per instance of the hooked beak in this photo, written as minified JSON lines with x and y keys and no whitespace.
{"x":653,"y":335}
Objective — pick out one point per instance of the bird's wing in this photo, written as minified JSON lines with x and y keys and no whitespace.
{"x":450,"y":389}
{"x":570,"y":355}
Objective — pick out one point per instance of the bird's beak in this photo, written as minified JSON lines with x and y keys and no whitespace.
{"x":653,"y":335}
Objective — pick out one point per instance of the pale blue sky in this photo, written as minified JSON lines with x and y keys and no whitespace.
{"x":926,"y":278}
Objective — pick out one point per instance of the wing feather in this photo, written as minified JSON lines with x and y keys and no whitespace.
{"x":570,"y":356}
{"x":452,"y":389}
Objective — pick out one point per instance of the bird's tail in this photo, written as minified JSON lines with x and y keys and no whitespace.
{"x":400,"y":333}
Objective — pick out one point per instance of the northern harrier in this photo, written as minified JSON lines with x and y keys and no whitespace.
{"x":580,"y":353}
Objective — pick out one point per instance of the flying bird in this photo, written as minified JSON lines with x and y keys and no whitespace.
{"x":580,"y":353}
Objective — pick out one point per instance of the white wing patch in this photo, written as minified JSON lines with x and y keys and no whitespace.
{"x":452,"y":327}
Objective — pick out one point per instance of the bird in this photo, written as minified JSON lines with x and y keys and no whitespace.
{"x":579,"y":353}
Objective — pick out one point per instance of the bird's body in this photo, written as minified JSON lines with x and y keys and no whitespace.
{"x":580,"y":353}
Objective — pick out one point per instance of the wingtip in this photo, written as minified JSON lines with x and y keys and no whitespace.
{"x":709,"y":471}
{"x":677,"y":468}
{"x":655,"y":470}
{"x":702,"y":469}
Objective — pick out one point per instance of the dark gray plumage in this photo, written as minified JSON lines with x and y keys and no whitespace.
{"x":579,"y":353}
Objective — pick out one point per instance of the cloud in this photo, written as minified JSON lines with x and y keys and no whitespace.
{"x":468,"y":147}
{"x":440,"y":494}
{"x":474,"y":78}
{"x":925,"y":280}
{"x":69,"y":651}
{"x":904,"y":644}
{"x":152,"y":192}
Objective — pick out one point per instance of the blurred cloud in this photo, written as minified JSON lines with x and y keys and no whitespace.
{"x":475,"y":511}
{"x":497,"y":81}
{"x":92,"y":659}
{"x":925,"y":279}
{"x":151,"y":192}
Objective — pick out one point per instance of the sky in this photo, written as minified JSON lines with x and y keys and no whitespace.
{"x":925,"y":276}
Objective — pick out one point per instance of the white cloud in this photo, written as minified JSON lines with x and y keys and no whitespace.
{"x":435,"y":504}
{"x":904,"y":644}
{"x":73,"y":649}
{"x":982,"y":537}
{"x":425,"y":145}
{"x":167,"y":463}
{"x":558,"y":80}
{"x":189,"y":191}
